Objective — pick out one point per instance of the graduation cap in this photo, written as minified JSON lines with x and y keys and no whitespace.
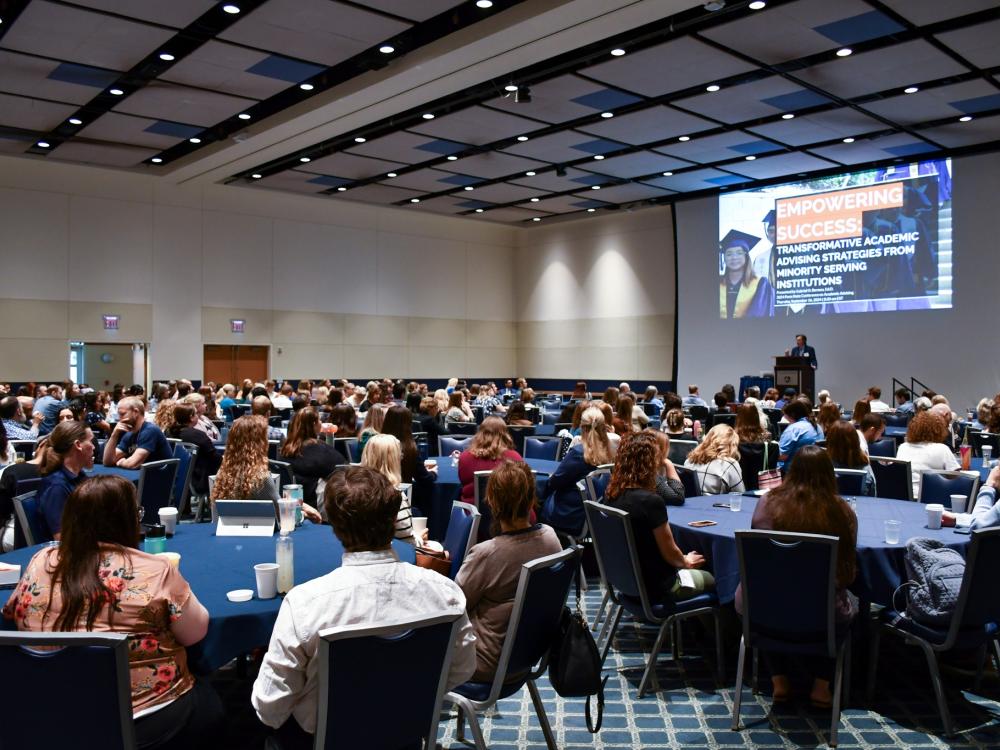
{"x":769,"y":219}
{"x":736,"y":238}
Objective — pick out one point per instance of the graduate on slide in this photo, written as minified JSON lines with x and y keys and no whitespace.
{"x":742,"y":294}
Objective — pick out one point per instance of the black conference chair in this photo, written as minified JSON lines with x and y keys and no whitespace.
{"x":884,"y":448}
{"x":518,"y":434}
{"x":939,"y":486}
{"x":185,"y":453}
{"x":893,"y":478}
{"x":850,"y":481}
{"x":689,"y":480}
{"x":156,"y":487}
{"x":896,"y":420}
{"x":679,"y":450}
{"x":729,"y":419}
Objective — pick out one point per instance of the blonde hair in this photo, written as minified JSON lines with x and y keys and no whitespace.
{"x":374,"y":418}
{"x":720,"y":442}
{"x":164,"y":416}
{"x":594,"y":437}
{"x":384,"y":454}
{"x":441,"y":396}
{"x":244,"y":464}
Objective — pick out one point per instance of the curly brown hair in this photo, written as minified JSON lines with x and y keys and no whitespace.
{"x":244,"y":464}
{"x":636,"y":464}
{"x":926,"y":428}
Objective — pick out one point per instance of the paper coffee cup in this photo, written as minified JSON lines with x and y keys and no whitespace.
{"x":419,"y":526}
{"x":958,"y":503}
{"x":934,"y":512}
{"x":267,"y":580}
{"x":172,"y":557}
{"x":168,"y":517}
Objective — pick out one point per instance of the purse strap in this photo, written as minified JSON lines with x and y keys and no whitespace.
{"x":766,"y":444}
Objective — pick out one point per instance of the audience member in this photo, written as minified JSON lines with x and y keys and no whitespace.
{"x":716,"y":462}
{"x":203,"y":421}
{"x":134,"y":441}
{"x":870,"y":430}
{"x":244,"y":473}
{"x":456,"y":411}
{"x":986,"y":512}
{"x":311,"y":459}
{"x":70,"y":450}
{"x":903,"y":403}
{"x":490,"y":446}
{"x":829,"y":414}
{"x":384,"y":455}
{"x":770,"y":399}
{"x":374,"y":418}
{"x":48,"y":405}
{"x":12,"y":418}
{"x":674,"y":424}
{"x":260,"y":406}
{"x":668,"y":482}
{"x":95,"y":415}
{"x":399,"y":423}
{"x":207,"y":460}
{"x":610,"y":396}
{"x":862,"y":408}
{"x":801,"y":430}
{"x":623,"y":414}
{"x":787,"y":395}
{"x":694,"y":397}
{"x":721,"y":403}
{"x":517,"y":415}
{"x":875,"y":402}
{"x":283,"y":399}
{"x":845,"y":451}
{"x":345,"y":420}
{"x":748,"y":424}
{"x":431,"y":423}
{"x":925,"y":449}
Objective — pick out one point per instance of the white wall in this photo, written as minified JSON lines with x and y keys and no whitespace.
{"x":952,"y":351}
{"x":343,"y":289}
{"x":595,"y":298}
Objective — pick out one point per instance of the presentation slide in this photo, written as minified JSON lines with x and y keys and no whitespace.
{"x":869,"y":241}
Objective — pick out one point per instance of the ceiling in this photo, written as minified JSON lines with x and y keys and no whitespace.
{"x":687,"y":104}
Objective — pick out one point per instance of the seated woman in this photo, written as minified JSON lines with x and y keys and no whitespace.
{"x":431,"y":423}
{"x":807,"y":502}
{"x":208,"y":460}
{"x":924,"y":448}
{"x":674,"y":425}
{"x":613,"y":438}
{"x":345,"y":419}
{"x":844,"y":448}
{"x":491,"y":446}
{"x":164,"y":416}
{"x":456,"y":412}
{"x":829,"y":414}
{"x":372,"y":424}
{"x":633,"y":489}
{"x":517,"y":415}
{"x":70,"y":450}
{"x":668,"y":482}
{"x":754,"y":444}
{"x":771,"y":397}
{"x":562,"y":506}
{"x":96,"y":580}
{"x":623,"y":414}
{"x":801,"y":430}
{"x":96,"y":417}
{"x":491,"y":570}
{"x":716,"y":462}
{"x":382,"y":453}
{"x":310,"y":458}
{"x":986,"y":512}
{"x":203,"y":421}
{"x":399,"y":423}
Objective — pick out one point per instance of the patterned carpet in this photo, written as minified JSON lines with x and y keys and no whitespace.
{"x":691,"y":711}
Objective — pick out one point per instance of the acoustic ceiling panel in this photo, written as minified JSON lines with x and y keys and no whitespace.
{"x":673,"y":66}
{"x":444,"y":204}
{"x":566,"y":145}
{"x":431,"y":181}
{"x":776,"y":166}
{"x":477,"y":125}
{"x":11,"y":144}
{"x":32,"y":114}
{"x":637,"y":164}
{"x":565,"y":98}
{"x":938,"y":103}
{"x":554,"y":183}
{"x":102,"y":154}
{"x":977,"y":44}
{"x":48,"y":79}
{"x":503,"y":192}
{"x":492,"y":165}
{"x":350,"y":166}
{"x":407,"y":148}
{"x":291,"y":179}
{"x":631,"y":191}
{"x":414,"y":11}
{"x":822,"y":126}
{"x":226,"y":67}
{"x":700,"y":179}
{"x":719,"y":147}
{"x":383,"y":194}
{"x":979,"y":130}
{"x":564,"y":204}
{"x":512,"y":214}
{"x":899,"y":145}
{"x":63,"y":32}
{"x":167,"y":101}
{"x":648,"y":125}
{"x":176,"y":13}
{"x":764,"y":98}
{"x":320,"y":31}
{"x":113,"y":127}
{"x":923,"y":12}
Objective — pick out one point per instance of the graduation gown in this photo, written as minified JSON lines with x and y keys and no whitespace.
{"x":755,"y":300}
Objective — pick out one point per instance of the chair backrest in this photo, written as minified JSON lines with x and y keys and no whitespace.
{"x":650,"y":410}
{"x":895,"y":420}
{"x":938,"y":486}
{"x":423,"y":447}
{"x":479,"y":481}
{"x":185,"y":453}
{"x":560,"y":426}
{"x":752,"y":457}
{"x":275,"y":421}
{"x":789,"y":586}
{"x":284,"y":471}
{"x":461,"y":535}
{"x":893,"y":478}
{"x":614,"y":548}
{"x":478,"y":414}
{"x":538,"y":603}
{"x":679,"y":450}
{"x":729,"y":419}
{"x":690,"y":481}
{"x":884,"y":448}
{"x":350,"y":448}
{"x":273,"y":446}
{"x":26,"y":511}
{"x":104,"y":708}
{"x":156,"y":486}
{"x":546,"y":448}
{"x":447,"y":444}
{"x":462,"y":428}
{"x":979,"y":439}
{"x":597,"y":483}
{"x":850,"y":481}
{"x":518,"y":434}
{"x":27,"y":447}
{"x":978,"y":605}
{"x":700,"y":413}
{"x":405,"y":662}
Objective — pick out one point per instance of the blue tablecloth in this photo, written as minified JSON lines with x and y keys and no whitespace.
{"x":977,"y":465}
{"x":131,"y":475}
{"x":880,"y":565}
{"x":447,"y":490}
{"x":214,"y":565}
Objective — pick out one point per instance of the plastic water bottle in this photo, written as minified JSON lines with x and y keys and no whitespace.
{"x":284,"y":555}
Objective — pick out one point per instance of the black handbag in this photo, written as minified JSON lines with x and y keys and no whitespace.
{"x":575,"y":663}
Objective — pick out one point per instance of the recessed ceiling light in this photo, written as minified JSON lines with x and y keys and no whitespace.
{"x":194,"y":140}
{"x":844,"y":51}
{"x":595,"y":187}
{"x":167,"y":57}
{"x":535,"y":200}
{"x":788,"y":116}
{"x":391,"y":174}
{"x":359,"y":139}
{"x":591,"y":210}
{"x":522,"y":138}
{"x":427,"y":116}
{"x":536,"y":219}
{"x":713,"y":88}
{"x":414,"y":200}
{"x":116,"y":92}
{"x":231,"y":9}
{"x":75,"y":121}
{"x":511,"y":87}
{"x":156,"y":160}
{"x":911,"y":90}
{"x":757,"y":5}
{"x":598,"y":157}
{"x":42,"y":144}
{"x":256,"y":176}
{"x":751,"y":158}
{"x":479,"y":210}
{"x":469,"y":187}
{"x":243,"y":116}
{"x":617,"y":52}
{"x":848,"y":140}
{"x":341,"y":189}
{"x":304,"y":159}
{"x":306,"y":86}
{"x":529,"y":174}
{"x":484,"y":4}
{"x":965,"y":118}
{"x":668,"y":174}
{"x":386,"y":49}
{"x":684,"y":138}
{"x":606,"y":115}
{"x":452,"y":158}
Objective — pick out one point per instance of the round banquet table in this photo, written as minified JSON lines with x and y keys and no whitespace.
{"x":131,"y":475}
{"x":447,"y":489}
{"x":214,"y":565}
{"x":880,"y":565}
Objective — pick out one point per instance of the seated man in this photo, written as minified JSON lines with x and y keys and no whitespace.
{"x":283,"y":399}
{"x":13,"y":420}
{"x":875,"y":402}
{"x":986,"y":513}
{"x":870,"y":430}
{"x":372,"y":586}
{"x":134,"y":441}
{"x":261,"y":406}
{"x":49,"y":405}
{"x":694,"y":397}
{"x":903,"y":403}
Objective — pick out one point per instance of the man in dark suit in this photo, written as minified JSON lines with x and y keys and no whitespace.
{"x":802,"y":349}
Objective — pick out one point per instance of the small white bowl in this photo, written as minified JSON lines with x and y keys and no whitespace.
{"x":240,"y":595}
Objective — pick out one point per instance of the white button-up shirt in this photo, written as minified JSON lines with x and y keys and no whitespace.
{"x":370,"y":588}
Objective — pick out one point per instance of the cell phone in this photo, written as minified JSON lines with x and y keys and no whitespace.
{"x":966,"y":530}
{"x":699,"y":524}
{"x":721,"y":505}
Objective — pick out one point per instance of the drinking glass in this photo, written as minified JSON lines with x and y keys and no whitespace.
{"x":892,"y":532}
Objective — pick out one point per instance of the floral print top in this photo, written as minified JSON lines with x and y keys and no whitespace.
{"x":143,"y":595}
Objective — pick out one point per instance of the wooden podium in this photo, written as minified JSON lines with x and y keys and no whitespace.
{"x":794,"y":372}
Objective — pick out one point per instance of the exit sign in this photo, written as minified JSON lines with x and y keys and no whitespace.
{"x":111,"y":322}
{"x":237,"y":325}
